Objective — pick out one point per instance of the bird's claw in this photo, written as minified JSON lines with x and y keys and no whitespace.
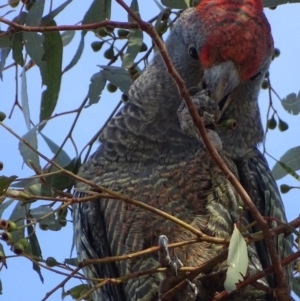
{"x":193,"y":289}
{"x":172,"y":278}
{"x":164,"y":256}
{"x":207,"y":108}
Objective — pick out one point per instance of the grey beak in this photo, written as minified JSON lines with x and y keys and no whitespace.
{"x":221,"y":80}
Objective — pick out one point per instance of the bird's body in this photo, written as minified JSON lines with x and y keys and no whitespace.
{"x":145,"y":155}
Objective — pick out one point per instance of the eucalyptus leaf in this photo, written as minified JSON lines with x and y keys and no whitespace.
{"x":33,"y":40}
{"x":72,"y":261}
{"x":135,"y":39}
{"x":24,"y":99}
{"x":26,"y":152}
{"x":4,"y":205}
{"x":55,"y":12}
{"x":3,"y":262}
{"x":5,"y":41}
{"x":237,"y":260}
{"x":39,"y":212}
{"x":24,"y":183}
{"x":35,"y":250}
{"x":292,"y":103}
{"x":96,"y":87}
{"x":62,"y":182}
{"x":18,"y":216}
{"x":17,"y":47}
{"x":98,"y":11}
{"x":5,"y":183}
{"x":118,"y":76}
{"x":35,"y":14}
{"x":52,"y":73}
{"x":78,"y":53}
{"x":67,"y":37}
{"x":39,"y":189}
{"x":288,"y":164}
{"x":3,"y":56}
{"x":62,"y":158}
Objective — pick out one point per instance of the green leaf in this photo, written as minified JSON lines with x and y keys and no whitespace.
{"x":178,"y":4}
{"x":4,"y":263}
{"x":55,"y":12}
{"x":17,"y":48}
{"x":117,"y":76}
{"x":34,"y":41}
{"x":2,"y":116}
{"x":39,"y":189}
{"x":54,"y":225}
{"x":135,"y":42}
{"x":72,"y":261}
{"x":26,"y":152}
{"x":288,"y":164}
{"x":98,"y":11}
{"x":35,"y":249}
{"x":76,"y":291}
{"x":5,"y":41}
{"x":34,"y":48}
{"x":52,"y":76}
{"x":97,"y":84}
{"x":62,"y":158}
{"x":40,"y":211}
{"x":24,"y":183}
{"x":24,"y":99}
{"x":237,"y":260}
{"x":62,"y":182}
{"x":292,"y":103}
{"x":67,"y":37}
{"x":18,"y":216}
{"x":3,"y":56}
{"x":5,"y":183}
{"x":4,"y":205}
{"x":78,"y":53}
{"x":135,"y":39}
{"x":34,"y":16}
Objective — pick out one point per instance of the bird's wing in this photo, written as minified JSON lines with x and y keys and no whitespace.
{"x":260,"y":184}
{"x":85,"y":250}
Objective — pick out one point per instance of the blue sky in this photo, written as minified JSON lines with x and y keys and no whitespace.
{"x":19,"y":281}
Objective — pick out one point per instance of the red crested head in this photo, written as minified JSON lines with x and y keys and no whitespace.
{"x":236,"y":30}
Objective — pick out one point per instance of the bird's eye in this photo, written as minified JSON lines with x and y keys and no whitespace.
{"x":256,"y":76}
{"x":193,"y":52}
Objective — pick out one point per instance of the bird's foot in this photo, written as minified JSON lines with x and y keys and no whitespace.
{"x":207,"y":108}
{"x":172,"y":276}
{"x":164,"y":256}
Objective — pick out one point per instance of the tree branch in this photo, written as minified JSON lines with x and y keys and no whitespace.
{"x":115,"y":24}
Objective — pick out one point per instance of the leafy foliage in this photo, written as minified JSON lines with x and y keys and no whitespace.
{"x":292,"y":103}
{"x":288,"y":164}
{"x":237,"y":261}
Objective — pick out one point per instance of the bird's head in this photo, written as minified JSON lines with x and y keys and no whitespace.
{"x":231,"y":42}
